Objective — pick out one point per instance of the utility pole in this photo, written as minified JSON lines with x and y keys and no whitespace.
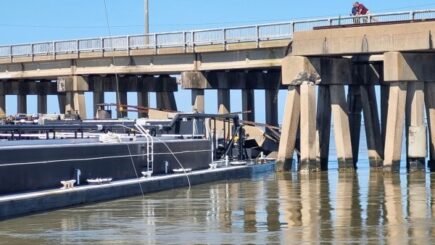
{"x":147,"y":17}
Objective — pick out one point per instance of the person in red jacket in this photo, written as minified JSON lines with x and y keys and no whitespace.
{"x":361,"y":9}
{"x":358,"y":10}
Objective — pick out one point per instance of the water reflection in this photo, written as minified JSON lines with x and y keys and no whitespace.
{"x":337,"y":208}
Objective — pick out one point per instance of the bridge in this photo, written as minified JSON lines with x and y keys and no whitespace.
{"x":317,"y":61}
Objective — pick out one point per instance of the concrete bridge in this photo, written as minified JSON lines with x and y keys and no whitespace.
{"x":316,"y":60}
{"x":398,"y":57}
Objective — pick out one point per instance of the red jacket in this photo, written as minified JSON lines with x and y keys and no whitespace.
{"x":362,"y":10}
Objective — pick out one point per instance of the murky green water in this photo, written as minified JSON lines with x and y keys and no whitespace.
{"x":366,"y":207}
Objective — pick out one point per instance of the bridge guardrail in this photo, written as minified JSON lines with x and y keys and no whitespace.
{"x":224,"y":36}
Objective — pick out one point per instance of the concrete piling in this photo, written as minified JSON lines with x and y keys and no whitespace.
{"x":342,"y":136}
{"x":395,"y":126}
{"x":308,"y":128}
{"x":289,"y":129}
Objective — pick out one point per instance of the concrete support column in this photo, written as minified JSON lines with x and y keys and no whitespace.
{"x":75,"y":104}
{"x":289,"y":130}
{"x":98,"y":93}
{"x":385,"y":93}
{"x":61,"y":98}
{"x":22,"y":103}
{"x":395,"y":124}
{"x":248,"y":104}
{"x":98,"y":99}
{"x":198,"y":100}
{"x":354,"y":110}
{"x":42,"y":103}
{"x":343,"y":141}
{"x":375,"y":142}
{"x":323,"y":125}
{"x":271,"y":97}
{"x":143,"y":101}
{"x":415,"y":127}
{"x":2,"y":105}
{"x":309,"y":144}
{"x":430,"y":112}
{"x":121,"y":100}
{"x":74,"y":87}
{"x":224,"y":101}
{"x":166,"y":101}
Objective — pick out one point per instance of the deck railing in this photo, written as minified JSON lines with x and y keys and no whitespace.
{"x":223,"y":36}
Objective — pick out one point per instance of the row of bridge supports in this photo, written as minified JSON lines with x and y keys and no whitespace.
{"x":407,"y":84}
{"x":70,"y":92}
{"x":247,"y":82}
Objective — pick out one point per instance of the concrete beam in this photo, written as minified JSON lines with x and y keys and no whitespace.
{"x":194,"y":80}
{"x":410,"y":67}
{"x":364,"y":39}
{"x":72,"y":84}
{"x":297,"y":69}
{"x":289,"y":130}
{"x":395,"y":124}
{"x":342,"y":136}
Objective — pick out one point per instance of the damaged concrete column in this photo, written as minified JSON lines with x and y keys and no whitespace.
{"x":336,"y":72}
{"x":403,"y":71}
{"x":300,"y":74}
{"x":74,"y":87}
{"x":197,"y":82}
{"x":415,"y":127}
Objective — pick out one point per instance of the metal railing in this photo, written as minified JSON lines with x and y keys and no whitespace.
{"x":223,"y":36}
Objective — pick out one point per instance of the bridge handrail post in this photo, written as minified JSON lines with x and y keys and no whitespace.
{"x":78,"y":46}
{"x":225,"y":38}
{"x":128,"y":44}
{"x":54,"y":49}
{"x":156,"y":45}
{"x":193,"y":41}
{"x":31,"y":51}
{"x":412,"y":15}
{"x":10,"y":52}
{"x":330,"y":21}
{"x":102,"y":46}
{"x":185,"y":41}
{"x":293,"y":24}
{"x":257,"y":33}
